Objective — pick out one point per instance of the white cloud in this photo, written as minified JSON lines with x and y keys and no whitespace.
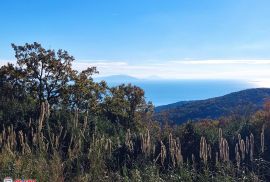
{"x":220,"y":62}
{"x":256,"y":71}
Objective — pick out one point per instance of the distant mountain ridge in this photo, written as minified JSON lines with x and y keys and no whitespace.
{"x":126,"y":79}
{"x":236,"y":103}
{"x":117,"y":78}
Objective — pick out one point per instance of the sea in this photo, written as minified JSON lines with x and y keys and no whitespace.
{"x":163,"y":92}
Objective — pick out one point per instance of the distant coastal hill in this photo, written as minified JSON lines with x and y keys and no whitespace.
{"x":238,"y":103}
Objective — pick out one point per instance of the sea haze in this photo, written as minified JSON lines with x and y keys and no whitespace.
{"x":162,"y":92}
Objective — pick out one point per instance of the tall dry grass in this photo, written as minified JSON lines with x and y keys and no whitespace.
{"x":39,"y":152}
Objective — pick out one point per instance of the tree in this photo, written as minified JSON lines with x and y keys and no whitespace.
{"x":40,"y":75}
{"x":84,"y":93}
{"x":45,"y":72}
{"x":125,"y":105}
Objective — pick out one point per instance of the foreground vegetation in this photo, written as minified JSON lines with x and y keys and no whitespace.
{"x":60,"y":125}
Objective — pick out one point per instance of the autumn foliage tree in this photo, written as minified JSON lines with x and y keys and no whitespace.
{"x":45,"y":72}
{"x":47,"y":75}
{"x":125,"y":105}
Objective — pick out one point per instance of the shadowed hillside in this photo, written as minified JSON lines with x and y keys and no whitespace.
{"x":241,"y":103}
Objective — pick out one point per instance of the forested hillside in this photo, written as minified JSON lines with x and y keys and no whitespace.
{"x":243,"y":104}
{"x":57,"y":124}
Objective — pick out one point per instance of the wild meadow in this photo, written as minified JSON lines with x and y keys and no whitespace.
{"x":57,"y":124}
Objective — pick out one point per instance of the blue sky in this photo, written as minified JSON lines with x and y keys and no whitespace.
{"x":142,"y":34}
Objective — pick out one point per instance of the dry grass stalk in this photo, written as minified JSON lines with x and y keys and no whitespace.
{"x":172,"y":145}
{"x":247,"y":145}
{"x":175,"y":151}
{"x":216,"y":157}
{"x":76,"y":119}
{"x":239,"y":137}
{"x":220,"y":138}
{"x":242,"y":148}
{"x":41,"y":117}
{"x":162,"y":152}
{"x":146,"y":143}
{"x":220,"y":134}
{"x":178,"y":152}
{"x":154,"y":149}
{"x":237,"y":156}
{"x":1,"y":140}
{"x":85,"y":122}
{"x":128,"y":140}
{"x":223,"y":147}
{"x":224,"y":150}
{"x":251,"y":146}
{"x":262,"y":139}
{"x":193,"y":162}
{"x":44,"y":113}
{"x":118,"y":142}
{"x":108,"y":146}
{"x":209,"y":151}
{"x":203,"y":150}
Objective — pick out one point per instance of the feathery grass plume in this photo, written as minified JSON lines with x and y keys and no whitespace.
{"x":76,"y":118}
{"x":30,"y":122}
{"x":216,"y":157}
{"x":193,"y":162}
{"x":163,"y":152}
{"x":4,"y":132}
{"x":44,"y":113}
{"x":56,"y":141}
{"x":247,"y":145}
{"x":9,"y":139}
{"x":203,"y":150}
{"x":172,"y":147}
{"x":47,"y":109}
{"x":1,"y":140}
{"x":237,"y":156}
{"x":146,"y":143}
{"x":21,"y":139}
{"x":209,"y":151}
{"x":108,"y":146}
{"x":178,"y":152}
{"x":128,"y":140}
{"x":262,"y":139}
{"x":34,"y":139}
{"x":220,"y":139}
{"x":224,"y":150}
{"x":220,"y":134}
{"x":171,"y":143}
{"x":251,"y":146}
{"x":118,"y":142}
{"x":239,"y":137}
{"x":41,"y":117}
{"x":13,"y":138}
{"x":175,"y":151}
{"x":154,"y":149}
{"x":242,"y":148}
{"x":85,"y":122}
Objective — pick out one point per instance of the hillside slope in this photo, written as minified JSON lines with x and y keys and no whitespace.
{"x":237,"y":103}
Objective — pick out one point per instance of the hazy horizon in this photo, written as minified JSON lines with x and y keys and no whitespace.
{"x":168,"y":91}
